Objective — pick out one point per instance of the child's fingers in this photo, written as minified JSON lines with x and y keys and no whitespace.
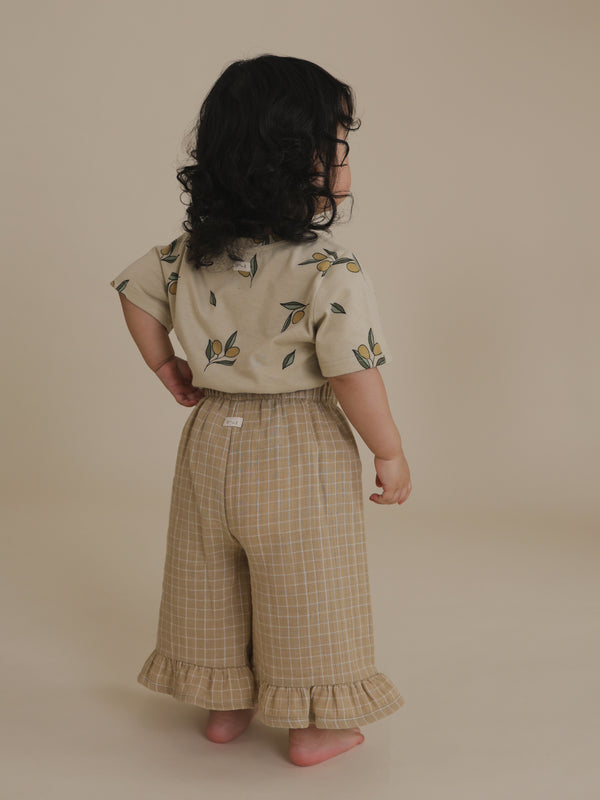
{"x":184,"y":392}
{"x":387,"y":497}
{"x":188,"y":392}
{"x":187,"y":400}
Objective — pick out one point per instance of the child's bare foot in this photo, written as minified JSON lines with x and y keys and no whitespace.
{"x":312,"y":745}
{"x":223,"y":726}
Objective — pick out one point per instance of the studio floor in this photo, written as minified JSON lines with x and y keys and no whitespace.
{"x":487,"y":623}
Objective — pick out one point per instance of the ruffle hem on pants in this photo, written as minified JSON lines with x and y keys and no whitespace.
{"x":341,"y":705}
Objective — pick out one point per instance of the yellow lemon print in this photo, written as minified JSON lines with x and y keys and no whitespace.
{"x":172,"y":283}
{"x":297,"y":313}
{"x":245,"y":273}
{"x":217,"y":354}
{"x":364,"y":357}
{"x":323,"y":261}
{"x":167,"y":254}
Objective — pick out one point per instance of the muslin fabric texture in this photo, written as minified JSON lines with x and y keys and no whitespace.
{"x":265,"y":596}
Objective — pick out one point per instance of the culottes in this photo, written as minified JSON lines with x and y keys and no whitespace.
{"x":265,"y":595}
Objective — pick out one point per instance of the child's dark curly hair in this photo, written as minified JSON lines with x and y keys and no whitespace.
{"x":263,"y":131}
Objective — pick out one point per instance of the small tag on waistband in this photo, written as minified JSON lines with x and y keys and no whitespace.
{"x":233,"y":421}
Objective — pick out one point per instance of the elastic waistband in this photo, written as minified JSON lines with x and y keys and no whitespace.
{"x":319,"y":394}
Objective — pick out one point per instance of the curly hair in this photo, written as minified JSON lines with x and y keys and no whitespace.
{"x":263,"y":130}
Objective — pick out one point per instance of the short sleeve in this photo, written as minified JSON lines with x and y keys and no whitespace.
{"x":145,"y":284}
{"x":346,"y":321}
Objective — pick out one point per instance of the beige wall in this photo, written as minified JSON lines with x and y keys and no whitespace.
{"x":475,"y":176}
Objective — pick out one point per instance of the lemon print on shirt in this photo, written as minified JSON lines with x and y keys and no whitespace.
{"x":172,"y":282}
{"x":247,"y":269}
{"x":297,"y":313}
{"x":217,"y":354}
{"x":363,"y":356}
{"x":167,"y":254}
{"x":324,"y":261}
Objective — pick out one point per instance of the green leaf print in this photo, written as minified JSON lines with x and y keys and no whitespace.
{"x":172,"y":282}
{"x":230,"y":341}
{"x":323,"y":263}
{"x":167,"y":254}
{"x":217,"y":354}
{"x":363,"y":356}
{"x":213,"y":299}
{"x":296,"y":315}
{"x":253,"y":267}
{"x":245,"y":273}
{"x":289,"y":359}
{"x":361,"y":360}
{"x":337,"y":308}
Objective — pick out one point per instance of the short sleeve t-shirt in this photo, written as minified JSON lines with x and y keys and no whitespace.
{"x":286,"y":317}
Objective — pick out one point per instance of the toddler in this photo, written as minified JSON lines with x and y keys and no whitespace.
{"x":265,"y":604}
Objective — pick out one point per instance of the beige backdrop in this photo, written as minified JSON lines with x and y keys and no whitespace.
{"x":475,"y":177}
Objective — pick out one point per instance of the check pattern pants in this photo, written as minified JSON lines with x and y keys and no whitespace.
{"x":265,"y":595}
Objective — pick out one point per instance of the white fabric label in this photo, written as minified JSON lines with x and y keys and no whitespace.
{"x":233,"y":421}
{"x":241,"y":266}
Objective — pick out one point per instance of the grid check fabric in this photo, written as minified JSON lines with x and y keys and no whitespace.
{"x":265,"y":595}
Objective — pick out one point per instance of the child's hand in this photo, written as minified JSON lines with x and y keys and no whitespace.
{"x":393,"y":476}
{"x":177,"y":377}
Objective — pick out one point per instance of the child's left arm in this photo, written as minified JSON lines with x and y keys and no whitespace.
{"x":155,"y":346}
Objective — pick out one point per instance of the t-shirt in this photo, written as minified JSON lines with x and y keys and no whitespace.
{"x":286,"y":317}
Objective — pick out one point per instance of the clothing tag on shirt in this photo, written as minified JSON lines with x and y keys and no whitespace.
{"x":241,"y":266}
{"x":233,"y":422}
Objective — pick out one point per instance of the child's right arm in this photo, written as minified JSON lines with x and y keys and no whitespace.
{"x":363,"y":397}
{"x":157,"y":351}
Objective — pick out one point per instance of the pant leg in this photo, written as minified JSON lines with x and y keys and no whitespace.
{"x":294,"y":501}
{"x":266,"y":594}
{"x":204,"y":637}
